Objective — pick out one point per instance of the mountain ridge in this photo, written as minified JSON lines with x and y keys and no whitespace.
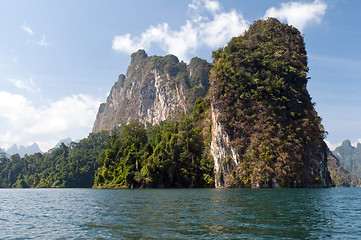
{"x":22,"y":150}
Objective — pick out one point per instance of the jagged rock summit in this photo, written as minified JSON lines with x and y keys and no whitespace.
{"x":22,"y":150}
{"x":154,"y":89}
{"x":350,"y":157}
{"x":65,"y":141}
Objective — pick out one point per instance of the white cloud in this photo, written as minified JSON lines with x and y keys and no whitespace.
{"x":27,"y":29}
{"x":212,"y":6}
{"x":208,"y":26}
{"x":224,"y":26}
{"x":298,"y":14}
{"x":25,"y":123}
{"x":211,"y":26}
{"x":209,"y":5}
{"x":26,"y":84}
{"x":43,"y":42}
{"x":332,"y":146}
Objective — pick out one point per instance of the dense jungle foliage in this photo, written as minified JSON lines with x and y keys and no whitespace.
{"x":172,"y":154}
{"x":66,"y":166}
{"x":259,"y":84}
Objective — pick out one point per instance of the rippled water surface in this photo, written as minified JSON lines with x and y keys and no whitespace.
{"x":181,"y":213}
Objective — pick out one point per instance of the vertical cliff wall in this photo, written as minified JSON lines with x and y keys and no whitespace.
{"x":224,"y":155}
{"x":265,"y":131}
{"x":154,"y":89}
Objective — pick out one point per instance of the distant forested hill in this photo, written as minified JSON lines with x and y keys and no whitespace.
{"x":65,"y":166}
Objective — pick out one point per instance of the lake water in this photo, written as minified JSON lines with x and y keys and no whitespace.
{"x":181,"y":213}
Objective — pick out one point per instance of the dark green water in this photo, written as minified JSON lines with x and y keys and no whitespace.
{"x":181,"y":213}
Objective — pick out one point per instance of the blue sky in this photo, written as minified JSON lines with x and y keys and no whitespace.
{"x":59,"y":59}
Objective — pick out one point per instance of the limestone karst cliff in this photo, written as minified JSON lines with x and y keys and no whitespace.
{"x":154,"y":89}
{"x":265,"y":130}
{"x":258,"y":121}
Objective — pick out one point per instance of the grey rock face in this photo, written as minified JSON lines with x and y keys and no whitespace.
{"x":154,"y":89}
{"x":22,"y":151}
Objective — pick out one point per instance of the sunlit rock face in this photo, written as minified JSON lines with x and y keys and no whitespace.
{"x":154,"y":89}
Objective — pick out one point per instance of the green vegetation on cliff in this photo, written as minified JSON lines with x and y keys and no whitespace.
{"x":259,"y":86}
{"x":171,"y":154}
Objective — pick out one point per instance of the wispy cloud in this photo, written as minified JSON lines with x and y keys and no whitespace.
{"x":43,"y":42}
{"x":27,"y":29}
{"x":208,"y":25}
{"x":299,"y":14}
{"x":25,"y":123}
{"x":25,"y":84}
{"x":332,"y":146}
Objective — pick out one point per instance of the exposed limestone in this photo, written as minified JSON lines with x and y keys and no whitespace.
{"x":155,"y":89}
{"x":221,"y":150}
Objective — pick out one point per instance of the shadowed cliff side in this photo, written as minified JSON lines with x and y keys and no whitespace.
{"x":340,"y":177}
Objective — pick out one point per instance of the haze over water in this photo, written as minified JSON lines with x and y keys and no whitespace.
{"x":180,"y":213}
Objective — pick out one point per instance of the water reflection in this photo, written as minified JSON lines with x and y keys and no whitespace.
{"x":204,"y":213}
